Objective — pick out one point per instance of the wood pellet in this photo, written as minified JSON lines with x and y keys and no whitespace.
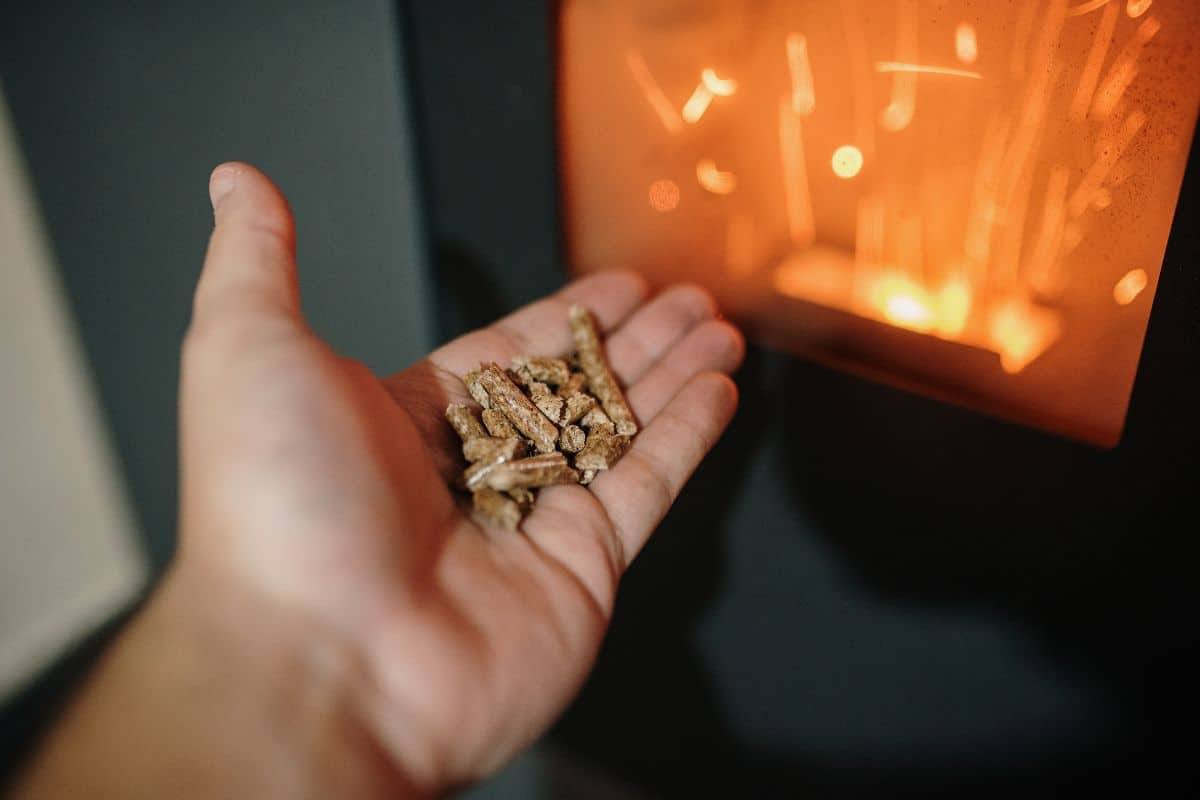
{"x":542,"y":421}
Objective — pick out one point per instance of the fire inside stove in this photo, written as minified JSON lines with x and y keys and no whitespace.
{"x":968,"y":197}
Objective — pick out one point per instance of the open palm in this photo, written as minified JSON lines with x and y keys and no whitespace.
{"x":325,"y":489}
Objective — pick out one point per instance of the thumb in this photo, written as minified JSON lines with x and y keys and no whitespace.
{"x":249,"y":278}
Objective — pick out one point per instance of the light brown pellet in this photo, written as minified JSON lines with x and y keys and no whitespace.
{"x":507,"y":397}
{"x":601,"y":381}
{"x":602,"y":451}
{"x":498,"y":425}
{"x":529,"y":473}
{"x":486,"y":448}
{"x":572,"y":439}
{"x":498,"y":509}
{"x":542,"y":369}
{"x":464,"y":422}
{"x":547,"y":401}
{"x":578,"y":404}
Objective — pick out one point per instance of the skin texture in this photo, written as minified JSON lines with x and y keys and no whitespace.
{"x":335,"y":624}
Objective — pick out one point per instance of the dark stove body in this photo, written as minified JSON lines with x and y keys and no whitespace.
{"x":841,"y":603}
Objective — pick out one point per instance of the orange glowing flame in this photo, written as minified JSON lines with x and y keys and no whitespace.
{"x":1021,"y":33}
{"x":1095,"y":61}
{"x":1096,"y":174}
{"x":905,"y":304}
{"x":955,"y":307}
{"x":925,"y":69}
{"x":797,"y":199}
{"x":847,"y":161}
{"x":804,"y":98}
{"x":1020,"y":333}
{"x":664,"y":195}
{"x":1124,"y":69}
{"x":1044,"y":273}
{"x":860,"y":70}
{"x":966,"y":46}
{"x":1130,"y":286}
{"x":713,"y":179}
{"x":1086,"y":8}
{"x":654,"y":94}
{"x":899,"y":111}
{"x":1135,"y":8}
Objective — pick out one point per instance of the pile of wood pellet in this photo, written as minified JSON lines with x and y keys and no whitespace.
{"x":544,"y":421}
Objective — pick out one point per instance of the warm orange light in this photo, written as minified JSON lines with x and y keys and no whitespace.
{"x":966,"y":47}
{"x":713,"y":179}
{"x":664,"y":195}
{"x":1130,"y":286}
{"x":1135,"y":8}
{"x":847,"y":161}
{"x":905,"y":304}
{"x":1017,"y":152}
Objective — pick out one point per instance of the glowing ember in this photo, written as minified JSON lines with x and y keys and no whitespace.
{"x":722,"y":87}
{"x":664,"y":195}
{"x":1021,"y":332}
{"x":905,"y":304}
{"x":847,"y":161}
{"x":697,"y":104}
{"x":1130,"y":286}
{"x":1086,"y":8}
{"x":925,"y":69}
{"x":713,"y":179}
{"x":1135,"y":8}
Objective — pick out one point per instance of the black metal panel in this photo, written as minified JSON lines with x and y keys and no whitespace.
{"x":863,"y":589}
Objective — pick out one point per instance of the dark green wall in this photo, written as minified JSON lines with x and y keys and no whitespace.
{"x":122,"y":110}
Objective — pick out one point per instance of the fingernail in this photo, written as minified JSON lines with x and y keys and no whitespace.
{"x":222,"y":182}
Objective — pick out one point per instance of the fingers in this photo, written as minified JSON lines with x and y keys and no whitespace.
{"x":638,"y":492}
{"x":541,"y":327}
{"x":655,"y":327}
{"x":249,"y":274}
{"x":713,"y":346}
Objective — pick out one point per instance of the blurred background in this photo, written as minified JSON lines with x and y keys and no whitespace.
{"x":862,"y":593}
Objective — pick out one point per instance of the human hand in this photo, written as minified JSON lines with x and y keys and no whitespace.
{"x":316,"y":495}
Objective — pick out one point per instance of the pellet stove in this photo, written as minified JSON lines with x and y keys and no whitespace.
{"x":969,"y":198}
{"x":867,"y":591}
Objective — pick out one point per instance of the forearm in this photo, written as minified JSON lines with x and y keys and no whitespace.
{"x":213,"y":693}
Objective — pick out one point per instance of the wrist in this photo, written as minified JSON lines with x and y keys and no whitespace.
{"x":214,"y":690}
{"x":294,"y":684}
